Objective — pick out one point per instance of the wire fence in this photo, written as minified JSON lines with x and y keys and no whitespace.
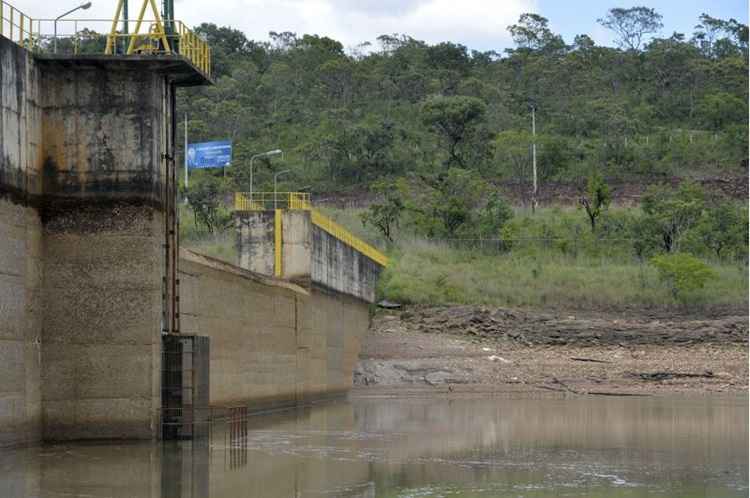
{"x":611,"y":246}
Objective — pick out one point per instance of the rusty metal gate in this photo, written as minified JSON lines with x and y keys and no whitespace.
{"x":185,"y":386}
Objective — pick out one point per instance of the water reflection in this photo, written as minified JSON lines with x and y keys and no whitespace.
{"x":374,"y":447}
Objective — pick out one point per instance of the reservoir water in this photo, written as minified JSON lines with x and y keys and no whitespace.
{"x":382,"y":446}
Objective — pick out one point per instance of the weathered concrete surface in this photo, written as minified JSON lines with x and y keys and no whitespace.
{"x":338,"y":266}
{"x":101,"y":343}
{"x":310,"y":255}
{"x":20,"y":126}
{"x":255,"y":239}
{"x":20,"y":248}
{"x":82,"y":173}
{"x":105,"y":131}
{"x":296,"y":248}
{"x":20,"y":324}
{"x":273,"y":343}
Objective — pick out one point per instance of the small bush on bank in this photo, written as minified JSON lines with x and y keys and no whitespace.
{"x":682,"y":273}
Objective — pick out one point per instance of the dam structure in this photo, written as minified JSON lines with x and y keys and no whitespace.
{"x":108,"y":329}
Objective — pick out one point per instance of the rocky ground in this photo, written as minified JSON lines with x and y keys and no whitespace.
{"x":470,"y":348}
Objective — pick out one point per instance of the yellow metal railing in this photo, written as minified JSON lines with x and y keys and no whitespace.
{"x":345,"y":236}
{"x":17,"y":26}
{"x":266,"y":201}
{"x":114,"y":36}
{"x":262,"y":201}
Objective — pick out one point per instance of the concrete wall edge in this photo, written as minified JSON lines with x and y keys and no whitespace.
{"x":220,"y":265}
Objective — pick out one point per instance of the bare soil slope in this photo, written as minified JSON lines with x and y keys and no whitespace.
{"x":495,"y":349}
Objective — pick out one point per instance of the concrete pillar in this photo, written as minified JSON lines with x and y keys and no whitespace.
{"x":296,"y":229}
{"x":105,"y":133}
{"x":87,"y":242}
{"x":255,"y":241}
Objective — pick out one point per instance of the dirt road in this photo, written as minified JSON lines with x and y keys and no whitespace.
{"x":469,"y":348}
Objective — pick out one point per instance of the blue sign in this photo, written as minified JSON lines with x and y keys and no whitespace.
{"x":209,"y":154}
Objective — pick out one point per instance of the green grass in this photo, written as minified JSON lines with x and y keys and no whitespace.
{"x":556,"y":262}
{"x":432,"y":273}
{"x":220,"y":244}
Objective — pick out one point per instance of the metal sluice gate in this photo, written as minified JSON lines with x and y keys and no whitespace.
{"x":185,"y":386}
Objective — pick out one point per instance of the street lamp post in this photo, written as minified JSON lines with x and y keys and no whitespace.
{"x":83,"y":6}
{"x":262,"y":154}
{"x":275,"y":177}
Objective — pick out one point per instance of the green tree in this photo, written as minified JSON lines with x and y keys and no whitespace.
{"x":672,"y":106}
{"x":492,"y":217}
{"x":512,"y":154}
{"x":205,"y":197}
{"x":596,"y":198}
{"x":363,"y":152}
{"x":708,"y":36}
{"x":720,"y":109}
{"x":669,"y":213}
{"x":445,"y":203}
{"x":682,"y":273}
{"x":722,"y":229}
{"x":532,"y":32}
{"x":455,"y":119}
{"x":632,"y":25}
{"x":385,"y":214}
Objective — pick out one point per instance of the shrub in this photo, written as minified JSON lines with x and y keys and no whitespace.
{"x":205,"y":196}
{"x":596,"y":198}
{"x":385,"y":215}
{"x":682,"y":273}
{"x":721,"y":230}
{"x":669,"y":213}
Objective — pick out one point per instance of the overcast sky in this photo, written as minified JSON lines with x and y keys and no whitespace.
{"x":478,"y":24}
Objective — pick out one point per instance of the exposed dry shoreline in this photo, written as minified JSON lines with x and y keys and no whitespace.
{"x":480,"y":349}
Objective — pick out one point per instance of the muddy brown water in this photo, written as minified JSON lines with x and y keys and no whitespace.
{"x":429,"y":446}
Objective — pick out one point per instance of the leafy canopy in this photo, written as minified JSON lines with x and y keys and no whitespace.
{"x":632,"y":25}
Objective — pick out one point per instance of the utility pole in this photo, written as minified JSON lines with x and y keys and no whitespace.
{"x":256,"y":156}
{"x":533,"y":157}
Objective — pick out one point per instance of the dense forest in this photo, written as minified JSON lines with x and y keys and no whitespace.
{"x":652,"y":107}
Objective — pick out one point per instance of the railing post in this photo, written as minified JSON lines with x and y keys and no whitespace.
{"x":277,"y":270}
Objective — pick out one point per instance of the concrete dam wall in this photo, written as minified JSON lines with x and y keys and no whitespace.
{"x":303,"y":252}
{"x":273,"y":343}
{"x":91,"y":281}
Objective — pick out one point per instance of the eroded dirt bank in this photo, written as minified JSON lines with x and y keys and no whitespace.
{"x":470,"y":348}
